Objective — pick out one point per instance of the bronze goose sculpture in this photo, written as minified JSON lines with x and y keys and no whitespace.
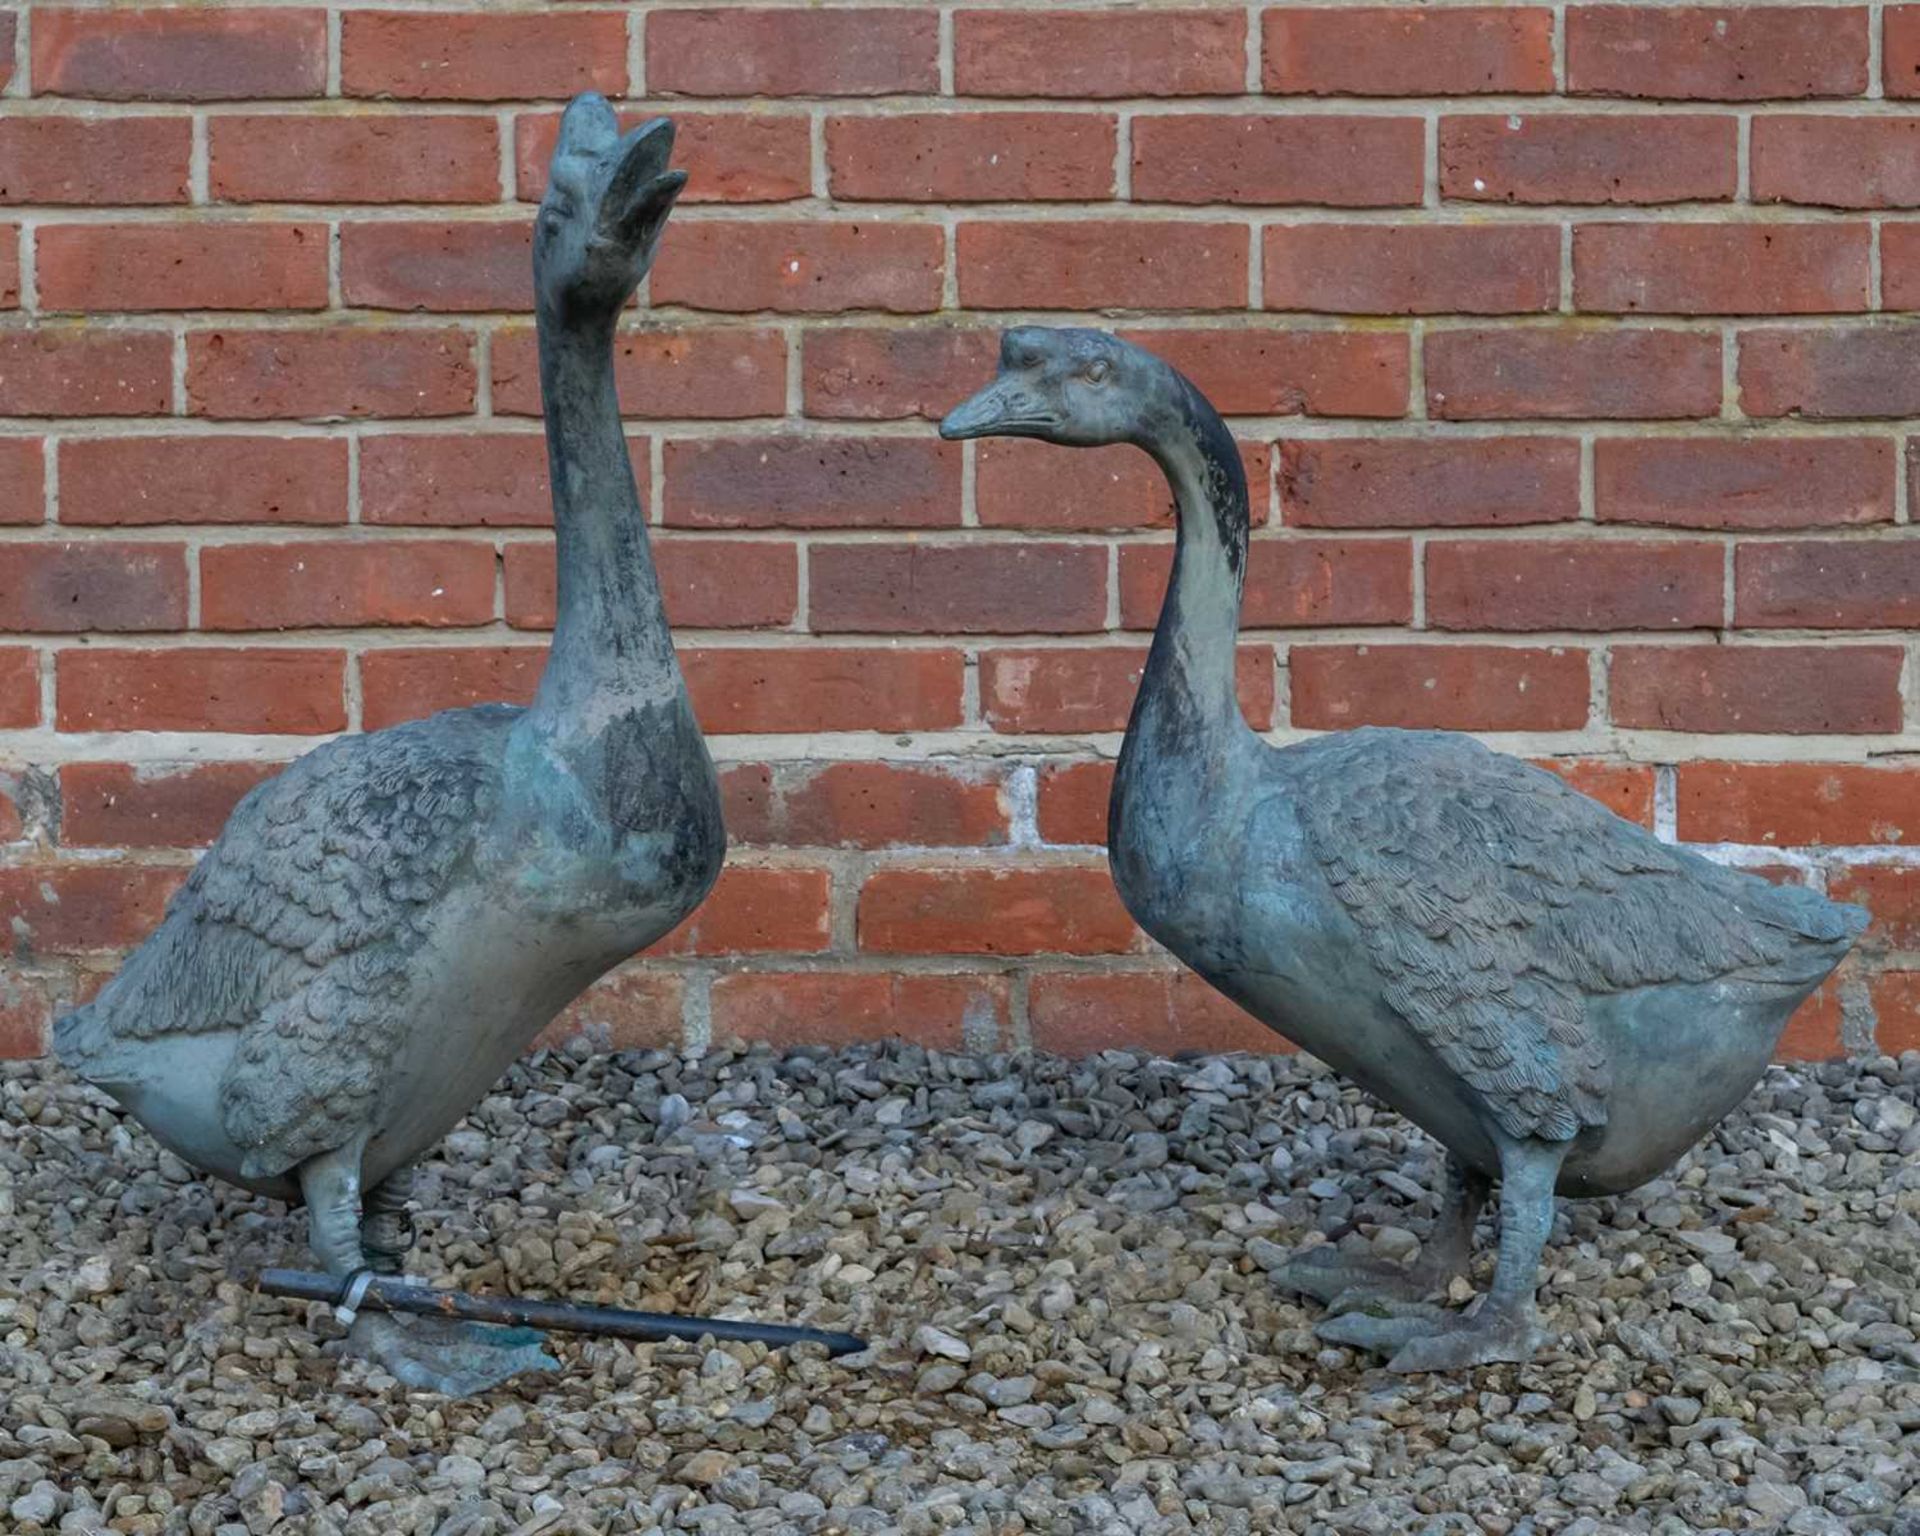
{"x":1560,"y":999}
{"x":381,"y":930}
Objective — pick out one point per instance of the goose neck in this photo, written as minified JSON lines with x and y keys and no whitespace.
{"x":610,"y":633}
{"x":1189,"y":683}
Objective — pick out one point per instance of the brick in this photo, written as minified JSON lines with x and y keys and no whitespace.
{"x":1102,"y":264}
{"x":1744,"y":483}
{"x":801,"y":267}
{"x":9,"y":266}
{"x":1392,"y":50}
{"x":115,"y":805}
{"x":839,"y":1008}
{"x":634,"y":1008}
{"x":252,"y":691}
{"x":1411,"y":269}
{"x":59,"y":370}
{"x":969,"y":589}
{"x":1170,"y":1013}
{"x":1837,"y":162}
{"x":1291,"y":583}
{"x":1721,"y":269}
{"x":186,"y":54}
{"x":1813,"y":1033}
{"x":1831,"y":372}
{"x":209,"y":265}
{"x":1332,"y":161}
{"x":857,"y":373}
{"x":824,"y":688}
{"x":1896,"y":1007}
{"x":1589,"y":158}
{"x":78,"y":160}
{"x":729,"y":157}
{"x":1819,"y":584}
{"x":1798,"y":805}
{"x":886,"y":805}
{"x":760,"y":51}
{"x":1072,"y":802}
{"x":202,"y":478}
{"x":407,"y":683}
{"x":1091,"y":688}
{"x":1626,"y":789}
{"x":457,"y":479}
{"x":1580,"y":584}
{"x":6,"y":48}
{"x":1438,"y":687}
{"x":26,"y":1012}
{"x":1717,"y":53}
{"x":706,"y":583}
{"x":1900,"y":60}
{"x":70,"y":909}
{"x":335,"y":585}
{"x":1263,"y":370}
{"x":972,"y":156}
{"x":1099,"y":54}
{"x":811,"y":482}
{"x":71,"y":588}
{"x":459,"y":266}
{"x":470,"y":56}
{"x":22,"y":481}
{"x":1428,"y":483}
{"x":387,"y":157}
{"x":978,"y":910}
{"x":678,"y":372}
{"x":19,"y":687}
{"x":353,"y":372}
{"x":1891,"y":892}
{"x":1025,"y":484}
{"x":1572,"y":373}
{"x":1774,"y":689}
{"x":1899,"y":266}
{"x":756,"y":911}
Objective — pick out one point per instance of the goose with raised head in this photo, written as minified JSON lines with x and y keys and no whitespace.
{"x":381,"y":930}
{"x":1563,"y":1001}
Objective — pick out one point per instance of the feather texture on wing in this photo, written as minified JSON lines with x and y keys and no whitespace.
{"x":1495,"y":901}
{"x":297,"y":927}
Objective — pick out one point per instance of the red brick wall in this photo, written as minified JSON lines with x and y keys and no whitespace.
{"x":1566,"y":344}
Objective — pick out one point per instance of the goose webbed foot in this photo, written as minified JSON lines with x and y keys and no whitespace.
{"x":1382,"y":1326}
{"x":1491,"y":1336}
{"x":430,"y":1354}
{"x":1344,"y":1282}
{"x":1427,"y":1338}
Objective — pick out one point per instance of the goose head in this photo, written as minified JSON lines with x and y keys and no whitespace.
{"x":1078,"y":388}
{"x":608,"y":197}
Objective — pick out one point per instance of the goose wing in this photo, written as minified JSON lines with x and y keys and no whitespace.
{"x":1495,"y":901}
{"x":297,"y":927}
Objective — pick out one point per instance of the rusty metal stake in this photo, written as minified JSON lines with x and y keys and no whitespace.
{"x":392,"y":1293}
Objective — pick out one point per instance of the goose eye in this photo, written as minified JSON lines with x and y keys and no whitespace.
{"x":1097,"y":371}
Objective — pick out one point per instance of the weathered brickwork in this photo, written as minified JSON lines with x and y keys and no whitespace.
{"x":1574,"y":350}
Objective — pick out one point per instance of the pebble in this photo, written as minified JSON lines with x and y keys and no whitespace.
{"x":1062,"y":1269}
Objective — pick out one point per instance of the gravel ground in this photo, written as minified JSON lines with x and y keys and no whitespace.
{"x":1061,"y":1268}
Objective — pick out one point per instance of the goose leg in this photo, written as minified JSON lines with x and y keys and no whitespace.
{"x":456,"y":1359}
{"x":386,"y":1228}
{"x":1346,"y":1283}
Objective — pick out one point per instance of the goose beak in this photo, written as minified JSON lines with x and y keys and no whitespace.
{"x":1005,"y":408}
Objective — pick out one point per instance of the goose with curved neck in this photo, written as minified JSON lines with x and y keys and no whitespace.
{"x":381,"y":930}
{"x":1564,"y":1002}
